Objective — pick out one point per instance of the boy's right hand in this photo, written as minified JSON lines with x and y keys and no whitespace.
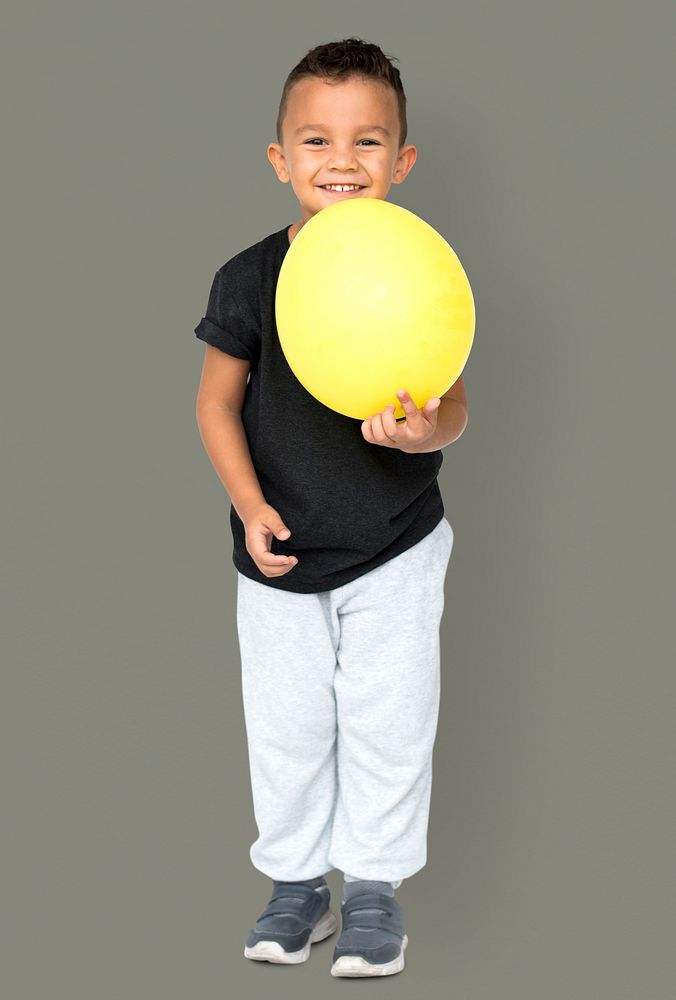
{"x":260,"y":526}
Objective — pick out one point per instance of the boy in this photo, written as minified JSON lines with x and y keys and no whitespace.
{"x":341,"y":549}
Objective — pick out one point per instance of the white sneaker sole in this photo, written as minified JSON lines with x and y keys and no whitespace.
{"x":272,"y":951}
{"x":355,"y":965}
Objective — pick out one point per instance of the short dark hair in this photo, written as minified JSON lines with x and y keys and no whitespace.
{"x":341,"y":60}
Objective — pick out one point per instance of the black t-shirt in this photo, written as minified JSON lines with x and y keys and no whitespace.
{"x":349,"y":505}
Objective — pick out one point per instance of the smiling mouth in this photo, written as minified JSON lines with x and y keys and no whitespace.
{"x":342,"y":189}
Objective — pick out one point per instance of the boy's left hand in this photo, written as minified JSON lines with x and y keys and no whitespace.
{"x":419,"y":425}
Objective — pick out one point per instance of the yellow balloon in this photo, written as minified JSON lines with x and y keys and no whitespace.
{"x":371,"y":299}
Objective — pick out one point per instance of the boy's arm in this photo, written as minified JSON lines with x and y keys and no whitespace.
{"x":218,"y":410}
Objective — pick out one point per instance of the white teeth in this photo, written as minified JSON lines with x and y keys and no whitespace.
{"x":341,"y":187}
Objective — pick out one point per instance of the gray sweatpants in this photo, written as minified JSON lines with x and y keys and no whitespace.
{"x":341,"y":702}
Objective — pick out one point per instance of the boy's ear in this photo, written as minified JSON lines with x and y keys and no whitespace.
{"x":278,"y":161}
{"x":407,"y":157}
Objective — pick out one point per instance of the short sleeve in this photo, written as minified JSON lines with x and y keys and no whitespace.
{"x":230,"y":322}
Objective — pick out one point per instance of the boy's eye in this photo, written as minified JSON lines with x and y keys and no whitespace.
{"x":310,"y":141}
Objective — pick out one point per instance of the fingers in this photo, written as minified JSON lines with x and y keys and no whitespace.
{"x":388,"y":422}
{"x":259,"y":539}
{"x":417,"y":424}
{"x":383,"y":425}
{"x":274,"y":565}
{"x":383,"y":428}
{"x":411,"y":411}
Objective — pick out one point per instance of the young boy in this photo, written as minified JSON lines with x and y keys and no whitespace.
{"x":341,"y":548}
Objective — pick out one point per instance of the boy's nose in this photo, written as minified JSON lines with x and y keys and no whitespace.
{"x":342,"y":159}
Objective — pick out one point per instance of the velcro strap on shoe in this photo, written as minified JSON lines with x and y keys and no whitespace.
{"x":388,"y":916}
{"x":285,"y":899}
{"x":295,"y":889}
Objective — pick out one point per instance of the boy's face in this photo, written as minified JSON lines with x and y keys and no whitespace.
{"x":341,"y":146}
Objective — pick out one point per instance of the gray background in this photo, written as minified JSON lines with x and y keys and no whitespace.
{"x":134,"y":156}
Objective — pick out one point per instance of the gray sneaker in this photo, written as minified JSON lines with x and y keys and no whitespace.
{"x":372,"y":938}
{"x":295,"y":918}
